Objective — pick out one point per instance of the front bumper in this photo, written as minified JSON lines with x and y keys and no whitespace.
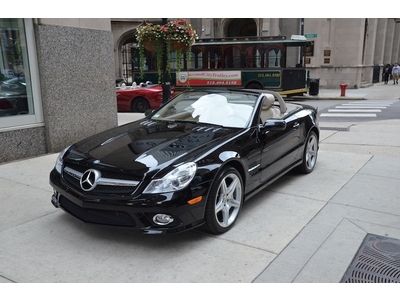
{"x":134,"y":212}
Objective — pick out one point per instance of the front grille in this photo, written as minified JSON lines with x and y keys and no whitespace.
{"x":377,"y":260}
{"x":97,"y":216}
{"x":71,"y":176}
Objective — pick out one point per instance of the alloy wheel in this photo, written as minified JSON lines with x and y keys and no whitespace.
{"x":229,"y":198}
{"x":311,"y":153}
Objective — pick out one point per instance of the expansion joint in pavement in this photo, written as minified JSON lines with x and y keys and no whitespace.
{"x":296,"y":195}
{"x":18,"y":182}
{"x":319,"y":247}
{"x":363,"y":208}
{"x":352,"y":220}
{"x":28,"y":221}
{"x":242,"y":244}
{"x":6,"y":278}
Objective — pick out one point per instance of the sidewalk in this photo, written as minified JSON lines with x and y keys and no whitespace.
{"x":377,"y":91}
{"x":367,"y":202}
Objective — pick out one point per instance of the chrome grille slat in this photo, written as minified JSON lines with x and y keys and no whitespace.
{"x":102,"y":180}
{"x":73,"y":173}
{"x":117,"y":182}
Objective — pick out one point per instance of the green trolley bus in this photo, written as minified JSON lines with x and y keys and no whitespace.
{"x":273,"y":63}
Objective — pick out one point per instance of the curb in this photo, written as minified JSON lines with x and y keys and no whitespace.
{"x":304,"y":98}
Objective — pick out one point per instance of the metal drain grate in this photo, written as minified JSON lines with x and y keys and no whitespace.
{"x":377,"y":260}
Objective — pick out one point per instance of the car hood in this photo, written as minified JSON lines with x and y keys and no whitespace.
{"x":147,"y":146}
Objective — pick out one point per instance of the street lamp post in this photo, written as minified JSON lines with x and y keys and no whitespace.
{"x":165,"y":78}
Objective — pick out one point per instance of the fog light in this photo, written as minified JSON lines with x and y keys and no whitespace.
{"x":162,"y":219}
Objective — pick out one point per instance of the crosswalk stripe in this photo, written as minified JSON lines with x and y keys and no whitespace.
{"x":355,"y":110}
{"x":365,"y":104}
{"x":374,"y":102}
{"x":360,"y":115}
{"x":361,"y":107}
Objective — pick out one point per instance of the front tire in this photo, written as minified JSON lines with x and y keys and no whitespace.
{"x":224,"y":202}
{"x":310,"y":154}
{"x":140,"y":105}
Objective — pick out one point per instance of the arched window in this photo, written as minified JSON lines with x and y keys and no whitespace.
{"x":274,"y":58}
{"x":128,"y":58}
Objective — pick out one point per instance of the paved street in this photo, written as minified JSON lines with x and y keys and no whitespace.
{"x":303,"y":228}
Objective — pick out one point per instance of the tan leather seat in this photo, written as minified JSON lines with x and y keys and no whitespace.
{"x":268,"y":110}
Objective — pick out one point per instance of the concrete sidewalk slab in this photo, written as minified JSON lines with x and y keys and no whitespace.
{"x":372,"y":138}
{"x":371,"y":192}
{"x":5,"y":280}
{"x":63,"y":249}
{"x":393,"y":152}
{"x":337,"y":126}
{"x":22,"y":203}
{"x":385,"y":166}
{"x":324,"y":134}
{"x":32,"y":172}
{"x":293,"y":260}
{"x":270,"y":220}
{"x":330,"y":262}
{"x":328,"y":169}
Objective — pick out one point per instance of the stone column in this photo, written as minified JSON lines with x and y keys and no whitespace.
{"x":274,"y":27}
{"x":380,"y":41}
{"x":207,"y":29}
{"x":265,"y":27}
{"x":387,"y":57}
{"x":396,"y":43}
{"x":289,"y":27}
{"x":75,"y":58}
{"x":369,"y":49}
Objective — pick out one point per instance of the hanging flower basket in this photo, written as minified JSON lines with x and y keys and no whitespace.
{"x":149,"y":36}
{"x":150,"y":46}
{"x":178,"y":46}
{"x":177,"y":35}
{"x":180,"y":35}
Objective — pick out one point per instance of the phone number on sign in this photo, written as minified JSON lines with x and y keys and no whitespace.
{"x":223,"y":82}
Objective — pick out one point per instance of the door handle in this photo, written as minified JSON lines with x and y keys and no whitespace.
{"x":296,"y":125}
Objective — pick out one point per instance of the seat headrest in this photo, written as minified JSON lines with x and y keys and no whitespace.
{"x":268,"y":102}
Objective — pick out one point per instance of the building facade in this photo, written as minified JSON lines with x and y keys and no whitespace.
{"x":351,"y":51}
{"x":56,"y":84}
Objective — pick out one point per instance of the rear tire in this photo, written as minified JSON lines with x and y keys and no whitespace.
{"x":224,"y":202}
{"x":140,"y":105}
{"x":310,"y":154}
{"x":254,"y":86}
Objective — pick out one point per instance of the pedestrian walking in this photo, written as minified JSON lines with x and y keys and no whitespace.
{"x":386,"y":73}
{"x":396,"y":73}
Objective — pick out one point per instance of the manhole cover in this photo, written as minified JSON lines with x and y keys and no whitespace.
{"x":377,"y":260}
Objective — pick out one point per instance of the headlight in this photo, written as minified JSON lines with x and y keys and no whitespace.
{"x":175,"y":180}
{"x":59,"y":161}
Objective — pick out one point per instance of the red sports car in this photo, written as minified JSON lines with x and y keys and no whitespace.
{"x":140,"y":98}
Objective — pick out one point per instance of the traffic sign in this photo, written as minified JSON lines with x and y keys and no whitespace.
{"x":311,"y":35}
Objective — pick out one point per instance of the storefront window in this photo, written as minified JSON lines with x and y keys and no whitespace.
{"x":15,"y":81}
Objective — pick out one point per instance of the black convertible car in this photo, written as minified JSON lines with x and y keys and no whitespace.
{"x":192,"y":162}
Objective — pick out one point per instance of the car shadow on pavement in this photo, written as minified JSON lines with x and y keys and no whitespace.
{"x":128,"y":236}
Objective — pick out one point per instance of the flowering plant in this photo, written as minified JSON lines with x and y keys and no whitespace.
{"x":180,"y":32}
{"x":149,"y":32}
{"x":177,"y":35}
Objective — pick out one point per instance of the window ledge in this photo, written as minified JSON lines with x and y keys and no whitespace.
{"x":6,"y":129}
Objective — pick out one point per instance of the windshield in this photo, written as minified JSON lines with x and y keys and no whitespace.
{"x":228,"y":109}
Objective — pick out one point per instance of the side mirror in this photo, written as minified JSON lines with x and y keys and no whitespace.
{"x":148,"y":112}
{"x":274,"y":125}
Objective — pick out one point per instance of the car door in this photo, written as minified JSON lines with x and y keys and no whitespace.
{"x":279,"y":147}
{"x":252,"y":148}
